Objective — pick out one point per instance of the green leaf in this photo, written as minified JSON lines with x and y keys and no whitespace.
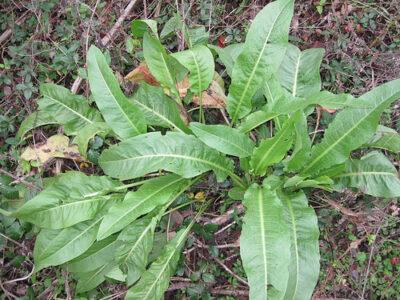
{"x":265,"y":244}
{"x":302,"y":146}
{"x":299,"y":71}
{"x":66,"y":108}
{"x":172,"y":25}
{"x":385,"y":138}
{"x":298,"y":182}
{"x":140,"y":27}
{"x":224,"y":139}
{"x":159,"y":109}
{"x":32,"y":121}
{"x":352,"y":128}
{"x":373,"y":174}
{"x":137,"y":241}
{"x":196,"y":36}
{"x":258,"y":58}
{"x":152,"y":193}
{"x":175,"y":152}
{"x":155,"y":280}
{"x":228,"y":55}
{"x":166,"y":69}
{"x":90,"y":280}
{"x":200,"y":63}
{"x":100,"y":253}
{"x":124,"y":118}
{"x":87,"y":133}
{"x":55,"y":247}
{"x":304,"y":249}
{"x":72,"y":198}
{"x":256,"y":119}
{"x":272,"y":150}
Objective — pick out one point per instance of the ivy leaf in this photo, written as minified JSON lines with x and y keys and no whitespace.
{"x":304,"y":248}
{"x":72,"y":198}
{"x":152,"y":193}
{"x":258,"y":58}
{"x":176,"y":152}
{"x":351,"y":128}
{"x":200,"y":63}
{"x":373,"y":174}
{"x":299,"y":71}
{"x":224,"y":139}
{"x":124,"y":118}
{"x":158,"y":109}
{"x":66,"y":108}
{"x":272,"y":150}
{"x":265,"y":244}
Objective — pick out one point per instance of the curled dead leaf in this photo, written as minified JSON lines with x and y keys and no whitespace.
{"x":142,"y":73}
{"x":56,"y":146}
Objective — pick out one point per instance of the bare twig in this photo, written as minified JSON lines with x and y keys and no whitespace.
{"x":230,"y":271}
{"x":107,"y":38}
{"x":222,"y":219}
{"x":316,"y":125}
{"x":6,"y":34}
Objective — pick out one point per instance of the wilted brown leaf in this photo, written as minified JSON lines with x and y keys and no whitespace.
{"x":57,"y":146}
{"x":142,"y":73}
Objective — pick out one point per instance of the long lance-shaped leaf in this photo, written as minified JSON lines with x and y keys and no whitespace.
{"x":228,"y":55}
{"x":67,"y":109}
{"x":224,"y":139}
{"x":352,"y":128}
{"x":87,"y":133}
{"x":34,"y":120}
{"x":100,"y":253}
{"x":137,"y":241}
{"x":88,"y":281}
{"x":55,"y":247}
{"x":385,"y":138}
{"x":154,"y":282}
{"x":176,"y":152}
{"x":373,"y":174}
{"x":299,"y":71}
{"x":258,"y":57}
{"x":265,"y":244}
{"x":154,"y":192}
{"x":200,"y":63}
{"x":158,"y":108}
{"x":72,"y":198}
{"x":302,"y":146}
{"x":304,"y":258}
{"x":274,"y":149}
{"x":124,"y":118}
{"x":166,"y":69}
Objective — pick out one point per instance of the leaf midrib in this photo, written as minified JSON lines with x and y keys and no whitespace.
{"x":137,"y":204}
{"x":334,"y":144}
{"x":363,"y":173}
{"x":71,"y":241}
{"x":227,"y":141}
{"x":234,"y":117}
{"x":70,"y":109}
{"x":140,"y":238}
{"x":115,"y":99}
{"x":160,"y":116}
{"x":262,"y":225}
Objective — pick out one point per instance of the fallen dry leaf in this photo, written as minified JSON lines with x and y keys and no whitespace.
{"x":213,"y":97}
{"x":142,"y":73}
{"x":56,"y":146}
